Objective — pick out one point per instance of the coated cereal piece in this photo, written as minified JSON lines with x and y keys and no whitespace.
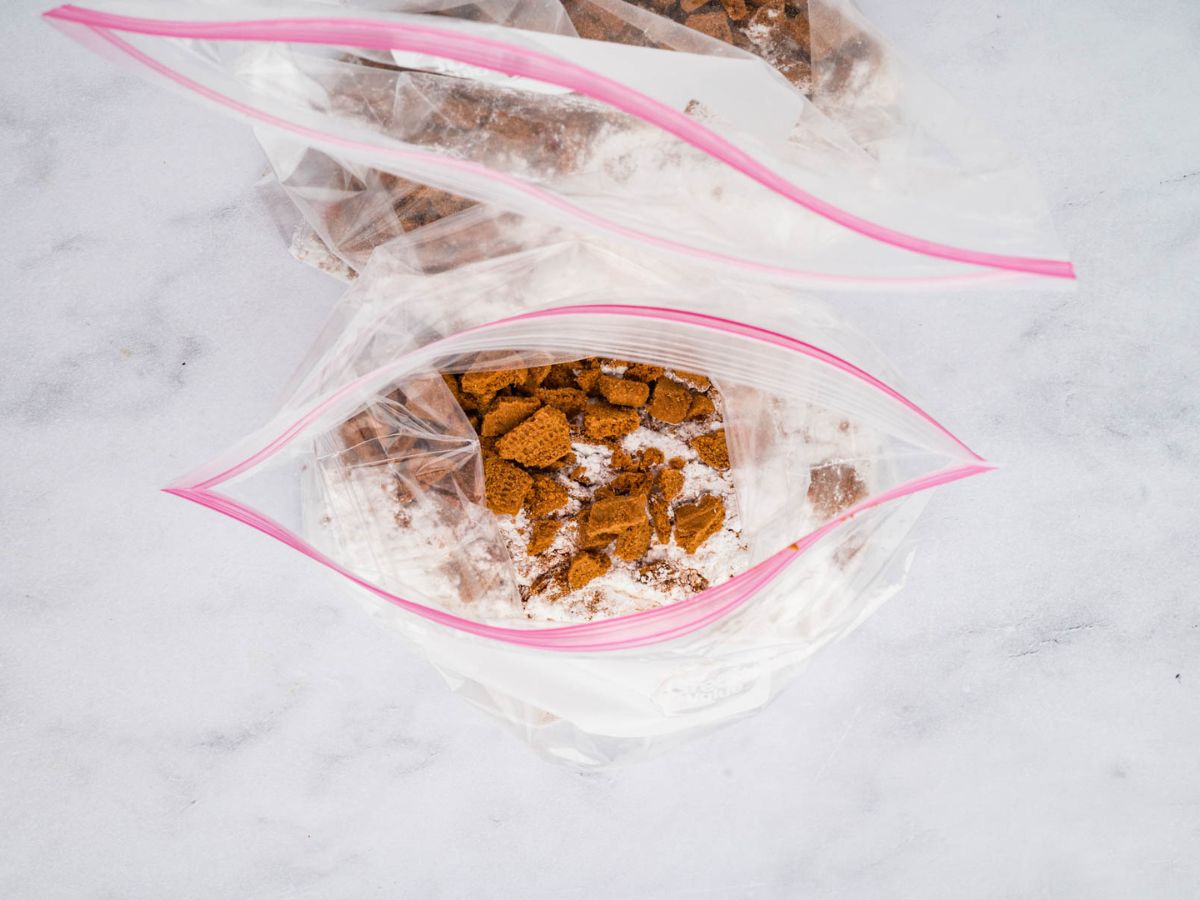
{"x":570,"y":400}
{"x":670,"y":482}
{"x":670,"y":402}
{"x":701,"y":407}
{"x":505,"y":486}
{"x":660,"y":519}
{"x":539,"y":441}
{"x":585,"y":567}
{"x":613,"y":515}
{"x":505,"y":413}
{"x":714,"y":24}
{"x":712,"y":449}
{"x":542,"y":535}
{"x":620,"y":392}
{"x":601,"y":421}
{"x":834,"y":488}
{"x":633,"y":543}
{"x":696,"y":522}
{"x":547,"y":496}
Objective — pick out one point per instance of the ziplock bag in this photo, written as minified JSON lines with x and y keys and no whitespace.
{"x":404,"y":521}
{"x":715,"y":157}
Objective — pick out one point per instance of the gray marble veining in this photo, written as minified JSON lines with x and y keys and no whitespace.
{"x":189,"y":710}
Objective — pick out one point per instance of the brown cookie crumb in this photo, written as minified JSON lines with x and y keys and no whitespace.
{"x":620,"y":392}
{"x":634,"y":542}
{"x":670,"y":482}
{"x":547,"y":496}
{"x":671,"y":401}
{"x":690,"y":6}
{"x":714,"y":24}
{"x":539,"y":441}
{"x":486,"y":384}
{"x":694,"y":379}
{"x":505,"y":486}
{"x":534,"y":376}
{"x":570,"y":400}
{"x":585,"y":537}
{"x":644,"y":372}
{"x":629,"y":484}
{"x":711,"y":449}
{"x":542,"y":535}
{"x":561,"y":375}
{"x":648,"y":458}
{"x":834,"y":488}
{"x":585,"y":567}
{"x":601,"y":421}
{"x":505,"y":413}
{"x":623,"y":461}
{"x":701,"y":407}
{"x":677,"y":462}
{"x":660,"y":519}
{"x":735,"y":9}
{"x":612,"y":515}
{"x":362,"y":437}
{"x":587,"y":379}
{"x":696,"y":522}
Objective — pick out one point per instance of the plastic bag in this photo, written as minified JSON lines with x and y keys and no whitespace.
{"x":712,"y":156}
{"x":374,"y":471}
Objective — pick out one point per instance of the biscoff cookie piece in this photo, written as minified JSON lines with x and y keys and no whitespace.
{"x":633,"y":543}
{"x":561,"y":375}
{"x":671,"y":401}
{"x":693,"y":379}
{"x":585,"y":567}
{"x":587,"y":379}
{"x":542,"y":535}
{"x":711,"y":449}
{"x":485,"y":383}
{"x":660,"y":518}
{"x":630,"y":484}
{"x":670,"y":482}
{"x":701,"y":407}
{"x":570,"y":400}
{"x":612,"y":515}
{"x":677,"y":462}
{"x":585,"y":538}
{"x":644,"y":372}
{"x":714,"y":24}
{"x":648,"y":458}
{"x":546,"y":497}
{"x":505,"y":486}
{"x":696,"y":522}
{"x":620,"y":392}
{"x":601,"y":421}
{"x":505,"y":413}
{"x":834,"y":488}
{"x":539,"y":441}
{"x":362,"y":436}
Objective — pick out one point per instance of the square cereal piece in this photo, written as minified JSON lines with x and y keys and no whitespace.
{"x":671,"y":400}
{"x":622,"y":392}
{"x":505,"y":486}
{"x":539,"y":441}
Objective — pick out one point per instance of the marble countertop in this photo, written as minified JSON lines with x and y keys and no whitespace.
{"x":187,"y":710}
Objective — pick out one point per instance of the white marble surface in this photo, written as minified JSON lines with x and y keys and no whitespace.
{"x":189,"y":710}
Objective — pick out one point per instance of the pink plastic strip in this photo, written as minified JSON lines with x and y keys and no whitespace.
{"x":519,"y":61}
{"x":701,"y":320}
{"x":640,"y":629}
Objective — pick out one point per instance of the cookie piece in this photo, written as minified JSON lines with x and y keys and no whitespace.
{"x":660,"y":518}
{"x":546,"y":496}
{"x":696,"y":522}
{"x":542,"y":535}
{"x":585,"y":567}
{"x":505,"y":413}
{"x":481,"y":384}
{"x":834,"y":488}
{"x":505,"y":486}
{"x":622,"y":392}
{"x":701,"y":407}
{"x":671,"y":401}
{"x":711,"y":448}
{"x":570,"y":400}
{"x":601,"y":421}
{"x":612,"y":515}
{"x":670,"y":483}
{"x":633,"y":543}
{"x":539,"y":441}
